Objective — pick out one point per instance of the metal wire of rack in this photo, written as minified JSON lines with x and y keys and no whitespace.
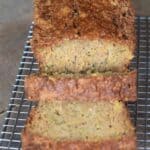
{"x":19,"y":107}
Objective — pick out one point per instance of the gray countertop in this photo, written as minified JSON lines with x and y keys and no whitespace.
{"x":15,"y":19}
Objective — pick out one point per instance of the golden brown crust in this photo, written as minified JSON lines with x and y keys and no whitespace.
{"x":56,"y":20}
{"x":31,"y":142}
{"x":101,"y":87}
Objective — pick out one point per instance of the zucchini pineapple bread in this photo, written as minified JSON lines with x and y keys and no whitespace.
{"x":95,"y":87}
{"x":84,"y":48}
{"x":77,"y":36}
{"x":79,"y":125}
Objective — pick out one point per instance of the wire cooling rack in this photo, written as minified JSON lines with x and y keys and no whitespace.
{"x":19,"y":107}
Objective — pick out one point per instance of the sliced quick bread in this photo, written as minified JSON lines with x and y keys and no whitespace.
{"x":79,"y":125}
{"x":96,"y":87}
{"x":75,"y":36}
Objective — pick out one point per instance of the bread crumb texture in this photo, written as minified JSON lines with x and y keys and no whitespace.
{"x":85,"y":121}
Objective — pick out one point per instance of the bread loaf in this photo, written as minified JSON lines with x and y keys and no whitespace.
{"x":77,"y":36}
{"x":84,"y":48}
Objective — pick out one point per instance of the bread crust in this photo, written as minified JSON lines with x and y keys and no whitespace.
{"x":31,"y":142}
{"x":83,"y":19}
{"x":94,"y":88}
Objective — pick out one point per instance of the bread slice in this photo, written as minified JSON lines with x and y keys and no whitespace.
{"x":78,"y":36}
{"x":79,"y":125}
{"x":105,"y":86}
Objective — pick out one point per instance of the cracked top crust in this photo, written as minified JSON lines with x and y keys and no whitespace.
{"x":56,"y":20}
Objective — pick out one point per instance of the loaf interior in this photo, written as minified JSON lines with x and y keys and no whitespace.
{"x":78,"y":56}
{"x":77,"y":120}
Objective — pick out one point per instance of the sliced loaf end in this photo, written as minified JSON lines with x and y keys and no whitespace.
{"x":63,"y":124}
{"x":80,"y":36}
{"x":78,"y":56}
